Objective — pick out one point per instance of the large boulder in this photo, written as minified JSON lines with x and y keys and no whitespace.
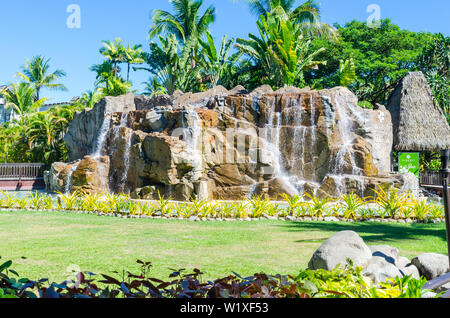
{"x":431,"y":265}
{"x":88,"y":175}
{"x":337,"y":249}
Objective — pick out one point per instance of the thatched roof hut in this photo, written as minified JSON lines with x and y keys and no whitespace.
{"x":419,"y":123}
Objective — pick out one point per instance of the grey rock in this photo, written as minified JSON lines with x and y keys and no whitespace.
{"x":337,"y":249}
{"x":431,"y":265}
{"x":402,"y":262}
{"x":389,"y":253}
{"x":410,"y":270}
{"x":379,"y":270}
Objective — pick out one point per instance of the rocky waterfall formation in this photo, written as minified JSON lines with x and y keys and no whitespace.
{"x":228,"y":145}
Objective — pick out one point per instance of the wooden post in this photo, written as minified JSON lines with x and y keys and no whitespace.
{"x":445,"y":173}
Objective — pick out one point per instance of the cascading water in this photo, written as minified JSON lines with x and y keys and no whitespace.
{"x":101,"y":137}
{"x":126,"y":154}
{"x":300,"y":147}
{"x":69,"y":179}
{"x":295,"y":171}
{"x":273,"y":146}
{"x":347,"y":136}
{"x":192,"y":139}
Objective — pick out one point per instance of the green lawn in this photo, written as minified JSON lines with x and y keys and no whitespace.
{"x":53,"y":241}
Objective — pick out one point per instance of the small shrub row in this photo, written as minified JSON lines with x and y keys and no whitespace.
{"x":388,"y":204}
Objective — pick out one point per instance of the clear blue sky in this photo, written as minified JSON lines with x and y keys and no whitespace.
{"x":32,"y":27}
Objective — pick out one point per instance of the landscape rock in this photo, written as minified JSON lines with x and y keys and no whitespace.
{"x":402,"y":262}
{"x":410,"y":270}
{"x":431,"y":265}
{"x":389,"y":253}
{"x":379,"y":269}
{"x":337,"y":249}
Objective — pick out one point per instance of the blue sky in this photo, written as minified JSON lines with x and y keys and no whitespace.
{"x":32,"y":27}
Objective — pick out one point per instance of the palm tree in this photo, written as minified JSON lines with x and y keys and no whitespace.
{"x":36,"y":72}
{"x":113,"y":52}
{"x":44,"y":134}
{"x":170,"y":64}
{"x":307,"y":15}
{"x":104,"y":71}
{"x":22,"y":99}
{"x":115,"y":87}
{"x":281,"y":50}
{"x":186,"y":22}
{"x":215,"y":61}
{"x":132,"y":55}
{"x":87,"y":100}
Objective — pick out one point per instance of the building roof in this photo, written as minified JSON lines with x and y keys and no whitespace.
{"x":419,"y":123}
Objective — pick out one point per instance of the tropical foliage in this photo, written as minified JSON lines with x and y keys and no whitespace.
{"x":170,"y":65}
{"x":388,"y":204}
{"x":345,"y":282}
{"x":281,"y":51}
{"x":435,"y":62}
{"x":381,"y":57}
{"x":306,"y":16}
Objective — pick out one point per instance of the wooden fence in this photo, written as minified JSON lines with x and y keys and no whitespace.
{"x":430,"y":179}
{"x":13,"y":171}
{"x":22,"y":176}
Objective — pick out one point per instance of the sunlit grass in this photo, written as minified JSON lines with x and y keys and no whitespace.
{"x":51,"y":241}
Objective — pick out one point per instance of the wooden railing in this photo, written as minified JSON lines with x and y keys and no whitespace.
{"x":14,"y":171}
{"x":430,"y":178}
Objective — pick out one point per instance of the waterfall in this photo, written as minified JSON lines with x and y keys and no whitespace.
{"x":346,"y":132}
{"x":69,"y":179}
{"x":193,"y":139}
{"x":126,"y":154}
{"x":251,"y":193}
{"x":273,"y":146}
{"x":101,"y":137}
{"x":300,"y":146}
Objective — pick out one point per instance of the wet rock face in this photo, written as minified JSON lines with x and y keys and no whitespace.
{"x":89,"y":175}
{"x":229,"y":145}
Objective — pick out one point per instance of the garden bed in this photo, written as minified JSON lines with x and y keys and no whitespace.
{"x":389,"y":206}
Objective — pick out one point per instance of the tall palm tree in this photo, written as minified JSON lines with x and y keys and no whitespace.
{"x":113,"y":51}
{"x":306,"y":14}
{"x":186,"y":22}
{"x":22,"y":99}
{"x":37,"y":73}
{"x":132,"y":55}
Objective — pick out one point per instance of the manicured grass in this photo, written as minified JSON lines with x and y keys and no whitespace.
{"x":53,"y":241}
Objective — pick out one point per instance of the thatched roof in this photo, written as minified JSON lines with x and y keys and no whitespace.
{"x":419,"y":123}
